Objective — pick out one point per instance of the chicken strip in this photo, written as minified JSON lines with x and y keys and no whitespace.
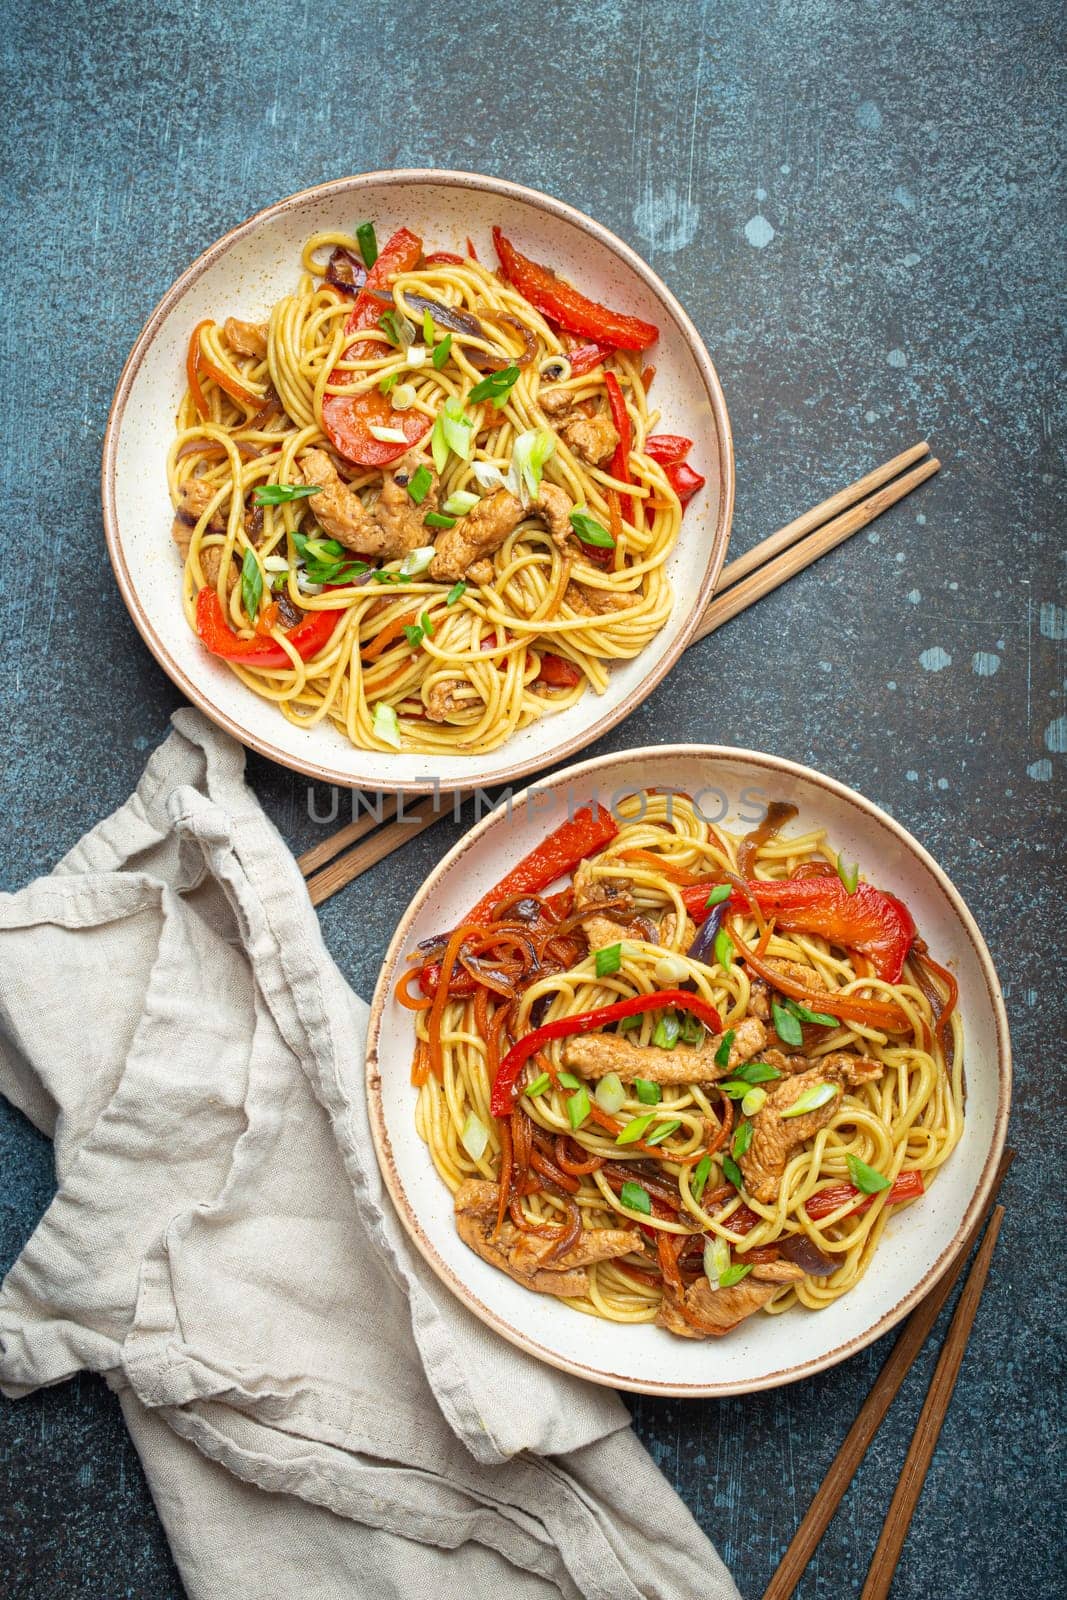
{"x":614,"y":895}
{"x":590,"y":602}
{"x":483,"y":530}
{"x":445,"y":697}
{"x":400,"y":519}
{"x":526,"y":1257}
{"x":593,"y":439}
{"x":246,"y":338}
{"x":194,"y":497}
{"x":774,"y":1139}
{"x":597,"y":1054}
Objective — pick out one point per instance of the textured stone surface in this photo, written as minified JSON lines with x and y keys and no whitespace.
{"x":858,"y":205}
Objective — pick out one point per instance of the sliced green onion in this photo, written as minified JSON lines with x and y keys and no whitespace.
{"x":532,"y":449}
{"x":649,"y":1094}
{"x":381,"y":576}
{"x":415,"y":355}
{"x":496,"y":387}
{"x":460,"y":502}
{"x":609,"y":1093}
{"x":722,"y":1054}
{"x":736,"y":1088}
{"x":404,"y":396}
{"x":754,"y":1101}
{"x":456,"y":592}
{"x":426,"y":624}
{"x":731,"y":1171}
{"x":367,"y":240}
{"x":416,"y":561}
{"x":488,"y":475}
{"x":279,"y":494}
{"x":438,"y":443}
{"x":442,"y":351}
{"x":578,"y":1107}
{"x":635,"y":1128}
{"x":317,"y":549}
{"x":786,"y":1025}
{"x":805,"y":1015}
{"x":733,"y":1274}
{"x":386,"y":435}
{"x":397,"y":329}
{"x":590,"y":531}
{"x":664,"y":1131}
{"x":414,"y":635}
{"x":741,"y":1140}
{"x":386,"y":726}
{"x":608,"y":960}
{"x":724,"y":949}
{"x":670,"y":971}
{"x":388,"y":382}
{"x":457,"y":427}
{"x":756,"y":1072}
{"x":665,"y":1034}
{"x":420,"y":483}
{"x":699,"y":1181}
{"x":866,"y":1179}
{"x":539,"y":1085}
{"x":626,"y":1023}
{"x":435,"y":519}
{"x":427,"y":326}
{"x":849,"y":873}
{"x":716,"y":1260}
{"x":720,"y":893}
{"x":692,"y":1030}
{"x":636,"y":1198}
{"x":251,"y":585}
{"x":811,"y":1099}
{"x":475,"y":1136}
{"x":569,"y":1081}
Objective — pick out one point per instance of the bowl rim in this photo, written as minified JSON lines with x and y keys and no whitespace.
{"x":517,"y":1336}
{"x":322,"y":771}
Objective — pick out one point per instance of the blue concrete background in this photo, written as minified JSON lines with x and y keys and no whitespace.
{"x":859,"y":205}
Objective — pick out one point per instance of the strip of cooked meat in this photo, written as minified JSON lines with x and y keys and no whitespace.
{"x":593,"y":439}
{"x":597,"y":1054}
{"x":391,"y":529}
{"x":718,"y":1310}
{"x":246,"y":338}
{"x":396,"y":513}
{"x":774,"y":1139}
{"x":483,"y":530}
{"x":759,"y":1000}
{"x":590,"y":602}
{"x":194,"y":497}
{"x":800,"y":974}
{"x":211,"y":564}
{"x":446,"y":696}
{"x":668,"y":929}
{"x":526,"y":1257}
{"x":612,"y":894}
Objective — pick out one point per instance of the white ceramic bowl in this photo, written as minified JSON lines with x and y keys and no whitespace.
{"x":918,"y":1244}
{"x":243,"y":274}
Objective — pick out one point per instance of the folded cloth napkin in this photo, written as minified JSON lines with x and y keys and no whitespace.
{"x":315,"y":1414}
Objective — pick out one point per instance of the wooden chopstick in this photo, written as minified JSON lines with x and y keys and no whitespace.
{"x":741,"y":583}
{"x":843,"y":1468}
{"x":927,"y":1429}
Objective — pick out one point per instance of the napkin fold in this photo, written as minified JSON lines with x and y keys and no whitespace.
{"x":316,"y":1415}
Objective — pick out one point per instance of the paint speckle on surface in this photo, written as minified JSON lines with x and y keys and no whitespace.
{"x":1052,"y":620}
{"x":935,"y":659}
{"x":874,"y":538}
{"x":870,"y":416}
{"x":920,"y":520}
{"x":904,"y":197}
{"x":826,"y":666}
{"x":1056,"y":736}
{"x":985,"y":663}
{"x":1040,"y":770}
{"x":761,"y":195}
{"x":896,"y":358}
{"x":758,"y":231}
{"x":667,"y":220}
{"x":900,"y":557}
{"x":785,"y":169}
{"x":912,"y":259}
{"x":868,"y":116}
{"x":913,"y":597}
{"x":891,"y":683}
{"x":942,"y":783}
{"x":911,"y":775}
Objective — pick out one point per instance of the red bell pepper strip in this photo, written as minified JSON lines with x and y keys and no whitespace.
{"x":503,"y":1093}
{"x":667,"y":447}
{"x":683,"y":480}
{"x":558,"y":672}
{"x":348,"y":418}
{"x":442,"y":258}
{"x":216,"y":635}
{"x":566,"y":305}
{"x":907,"y":1186}
{"x":620,"y":417}
{"x":584,"y":357}
{"x":587,"y":831}
{"x":868,"y":920}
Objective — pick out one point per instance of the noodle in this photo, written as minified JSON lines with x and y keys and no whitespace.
{"x":903,"y":1118}
{"x":477,"y":671}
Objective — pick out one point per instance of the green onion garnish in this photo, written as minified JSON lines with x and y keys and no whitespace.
{"x":441,"y":353}
{"x":578,"y":1108}
{"x":635,"y":1128}
{"x":699,"y":1181}
{"x":723,"y":949}
{"x":722,"y":1054}
{"x":456,"y":591}
{"x":590,"y":531}
{"x":609,"y":1093}
{"x":786,"y":1025}
{"x":497,"y":386}
{"x":279,"y":494}
{"x":736,"y":1088}
{"x":866,"y":1179}
{"x":569,"y":1081}
{"x":475,"y":1136}
{"x":754,"y":1101}
{"x":716,"y":1260}
{"x":741,"y":1140}
{"x":720,"y":893}
{"x":368,"y":243}
{"x":692,"y":1030}
{"x":460,"y":502}
{"x":626,"y":1023}
{"x":539,"y":1085}
{"x":665,"y":1034}
{"x":394,"y":326}
{"x":251,"y":584}
{"x":731,"y":1171}
{"x":756,"y":1072}
{"x":388,"y":382}
{"x":733,"y":1274}
{"x":436,"y":519}
{"x":664,"y":1131}
{"x":414,"y":635}
{"x":811,"y":1099}
{"x":386,"y":726}
{"x":416,"y":561}
{"x":419,"y":483}
{"x":635,"y":1198}
{"x":608,"y":960}
{"x":427,"y":326}
{"x":426,"y":624}
{"x":806,"y":1015}
{"x":529,"y":454}
{"x":849,"y":873}
{"x":649,"y":1094}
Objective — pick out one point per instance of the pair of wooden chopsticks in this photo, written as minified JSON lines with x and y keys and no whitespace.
{"x":337,"y":860}
{"x":924,"y":1440}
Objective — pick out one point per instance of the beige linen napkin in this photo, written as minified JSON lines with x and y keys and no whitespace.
{"x":315,"y":1413}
